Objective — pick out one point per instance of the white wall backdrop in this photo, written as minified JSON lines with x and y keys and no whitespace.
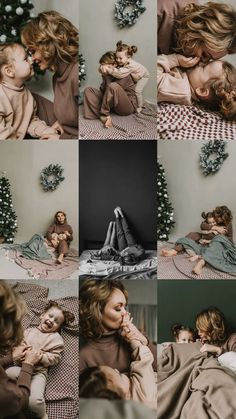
{"x":23,"y":162}
{"x":189,"y":190}
{"x":100,"y":33}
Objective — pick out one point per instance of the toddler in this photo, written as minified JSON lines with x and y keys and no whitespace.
{"x":126,"y":65}
{"x":17,"y":105}
{"x":47,"y":339}
{"x":213,"y":84}
{"x":140,"y":385}
{"x":183,"y":334}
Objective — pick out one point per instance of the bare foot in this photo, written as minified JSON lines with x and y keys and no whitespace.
{"x":168,"y":252}
{"x":60,"y":259}
{"x":198,"y":267}
{"x":194,"y":258}
{"x":106,"y":120}
{"x":139,"y":110}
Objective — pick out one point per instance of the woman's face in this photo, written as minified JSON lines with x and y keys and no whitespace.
{"x":114,"y":311}
{"x":203,"y":336}
{"x":37,"y":58}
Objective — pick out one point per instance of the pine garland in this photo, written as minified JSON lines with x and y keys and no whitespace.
{"x":82,"y":68}
{"x":165,"y":213}
{"x":14,"y":14}
{"x":208,"y":165}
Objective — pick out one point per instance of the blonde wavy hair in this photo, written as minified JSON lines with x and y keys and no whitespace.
{"x":12,"y":310}
{"x":93,"y":296}
{"x":211,"y":24}
{"x":55,"y":36}
{"x":212,"y":322}
{"x":222,"y":96}
{"x":6,"y":55}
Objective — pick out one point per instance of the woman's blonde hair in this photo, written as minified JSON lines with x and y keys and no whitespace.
{"x":93,"y":296}
{"x":222,"y":92}
{"x":211,"y":24}
{"x":212,"y":322}
{"x":12,"y":310}
{"x":55,"y":37}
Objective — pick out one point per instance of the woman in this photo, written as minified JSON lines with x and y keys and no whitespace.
{"x":52,"y":42}
{"x":213,"y":331}
{"x":60,"y":235}
{"x":14,"y":396}
{"x":129,"y":252}
{"x":115,"y":95}
{"x":207,"y":31}
{"x":102,"y":307}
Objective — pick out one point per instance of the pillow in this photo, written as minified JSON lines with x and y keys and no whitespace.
{"x":228,"y":360}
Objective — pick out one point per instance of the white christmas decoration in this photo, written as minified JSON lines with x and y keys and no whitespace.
{"x":3,"y":38}
{"x":8,"y":8}
{"x":19,"y":11}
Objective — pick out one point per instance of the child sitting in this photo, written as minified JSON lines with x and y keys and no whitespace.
{"x":47,"y":339}
{"x":127,"y":66}
{"x":106,"y":382}
{"x":212,"y":84}
{"x":17,"y":105}
{"x":183,"y":334}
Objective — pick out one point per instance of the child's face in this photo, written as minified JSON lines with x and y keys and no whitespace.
{"x":114,"y":311}
{"x":201,"y":74}
{"x":211,"y":221}
{"x":121,"y":58}
{"x":116,"y":381}
{"x":185,"y":337}
{"x":22,"y":67}
{"x":52,"y":320}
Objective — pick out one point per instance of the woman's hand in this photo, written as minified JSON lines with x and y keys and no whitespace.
{"x":213,"y":349}
{"x":58,"y":127}
{"x":33,"y":357}
{"x":19,"y":352}
{"x":219,"y":229}
{"x":187,"y":62}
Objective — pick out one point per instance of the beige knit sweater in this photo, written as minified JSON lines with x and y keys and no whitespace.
{"x":51,"y":344}
{"x":134,"y":68}
{"x":18,"y":113}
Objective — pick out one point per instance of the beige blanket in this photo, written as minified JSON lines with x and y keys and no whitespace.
{"x":194,"y":385}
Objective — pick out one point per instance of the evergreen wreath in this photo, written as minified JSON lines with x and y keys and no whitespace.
{"x":51,"y":177}
{"x":126,"y":17}
{"x":208,"y":165}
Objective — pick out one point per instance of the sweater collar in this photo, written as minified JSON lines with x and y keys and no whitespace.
{"x":12,"y":87}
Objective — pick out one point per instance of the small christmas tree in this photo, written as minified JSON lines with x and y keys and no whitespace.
{"x":14,"y":14}
{"x":165,"y":214}
{"x":8,"y":219}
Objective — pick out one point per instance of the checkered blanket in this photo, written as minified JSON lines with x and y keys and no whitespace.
{"x":47,"y":268}
{"x":180,"y":122}
{"x":179,"y":267}
{"x":62,"y":384}
{"x":140,"y":126}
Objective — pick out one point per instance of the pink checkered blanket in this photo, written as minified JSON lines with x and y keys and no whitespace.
{"x":180,"y":122}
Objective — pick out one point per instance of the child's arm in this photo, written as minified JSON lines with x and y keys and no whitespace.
{"x":172,"y":87}
{"x":52,"y":357}
{"x":38,"y":128}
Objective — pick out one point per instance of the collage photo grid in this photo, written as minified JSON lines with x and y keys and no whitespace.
{"x":117,"y":254}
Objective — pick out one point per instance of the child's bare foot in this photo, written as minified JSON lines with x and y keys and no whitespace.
{"x":45,"y":416}
{"x":198,"y":267}
{"x":168,"y":252}
{"x":139,"y":110}
{"x":60,"y":259}
{"x":194,"y":258}
{"x":106,"y":120}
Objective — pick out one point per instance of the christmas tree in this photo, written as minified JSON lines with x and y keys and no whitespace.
{"x":13,"y":15}
{"x":8,"y":219}
{"x":165,"y":214}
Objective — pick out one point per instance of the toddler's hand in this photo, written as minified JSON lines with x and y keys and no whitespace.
{"x":50,"y":136}
{"x":187,"y":62}
{"x":211,"y":349}
{"x":130,"y":332}
{"x":58,"y":128}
